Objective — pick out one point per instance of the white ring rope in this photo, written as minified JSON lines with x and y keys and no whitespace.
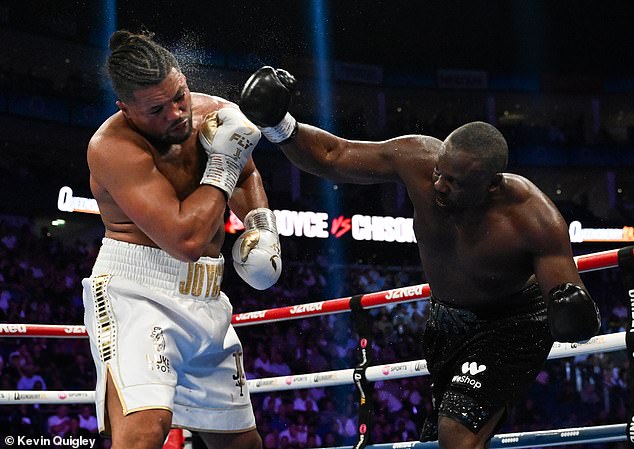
{"x":413,"y":368}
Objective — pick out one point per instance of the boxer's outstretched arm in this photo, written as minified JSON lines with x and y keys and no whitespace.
{"x":265,"y":100}
{"x":323,"y":154}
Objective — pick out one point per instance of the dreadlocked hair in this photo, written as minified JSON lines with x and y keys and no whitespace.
{"x":136,"y":62}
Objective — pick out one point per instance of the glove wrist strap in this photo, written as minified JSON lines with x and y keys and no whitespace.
{"x":222,"y":171}
{"x":282,"y":131}
{"x":261,"y":218}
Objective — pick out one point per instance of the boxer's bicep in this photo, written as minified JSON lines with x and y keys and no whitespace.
{"x":549,"y":242}
{"x":398,"y":159}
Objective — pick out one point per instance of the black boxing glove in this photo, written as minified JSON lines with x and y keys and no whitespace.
{"x":265,"y":99}
{"x":572,"y":314}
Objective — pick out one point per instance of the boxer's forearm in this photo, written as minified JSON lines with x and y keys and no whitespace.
{"x":314,"y":150}
{"x":249,"y":193}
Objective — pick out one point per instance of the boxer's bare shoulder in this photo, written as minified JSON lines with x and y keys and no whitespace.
{"x":413,"y":158}
{"x":203,"y":104}
{"x":113,"y":143}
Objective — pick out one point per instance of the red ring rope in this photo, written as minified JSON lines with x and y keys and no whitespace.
{"x":585,"y":263}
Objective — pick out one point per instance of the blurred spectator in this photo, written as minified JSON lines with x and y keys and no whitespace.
{"x":60,"y":423}
{"x":270,"y":440}
{"x":26,"y":420}
{"x":277,"y":366}
{"x":30,"y":380}
{"x":295,"y":433}
{"x":262,"y":364}
{"x":87,"y":422}
{"x":304,"y":402}
{"x":272,"y":402}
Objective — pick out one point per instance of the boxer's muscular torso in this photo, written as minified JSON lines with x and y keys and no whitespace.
{"x":476,"y":256}
{"x":181,"y":164}
{"x":473,"y":258}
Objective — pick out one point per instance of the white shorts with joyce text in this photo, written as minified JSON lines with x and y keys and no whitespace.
{"x":162,"y":329}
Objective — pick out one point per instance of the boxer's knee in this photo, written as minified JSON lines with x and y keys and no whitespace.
{"x":145,"y":429}
{"x":453,"y":434}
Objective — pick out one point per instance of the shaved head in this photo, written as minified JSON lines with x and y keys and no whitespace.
{"x":482,"y":141}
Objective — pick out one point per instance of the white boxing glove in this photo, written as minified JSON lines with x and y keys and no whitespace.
{"x":228,"y":138}
{"x":257,"y":252}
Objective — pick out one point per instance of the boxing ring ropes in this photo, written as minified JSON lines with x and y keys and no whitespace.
{"x":363,"y":375}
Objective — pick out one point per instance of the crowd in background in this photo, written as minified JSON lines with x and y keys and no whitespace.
{"x":40,"y":283}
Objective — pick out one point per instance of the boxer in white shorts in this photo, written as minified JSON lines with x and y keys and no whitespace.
{"x":162,"y":329}
{"x":163,"y":170}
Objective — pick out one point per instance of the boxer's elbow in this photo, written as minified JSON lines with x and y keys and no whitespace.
{"x":190,"y":252}
{"x":182,"y":251}
{"x":188,"y":248}
{"x":194,"y":246}
{"x":192,"y":233}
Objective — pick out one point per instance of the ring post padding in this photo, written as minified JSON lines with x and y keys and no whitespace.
{"x":361,"y":323}
{"x":626,"y":267}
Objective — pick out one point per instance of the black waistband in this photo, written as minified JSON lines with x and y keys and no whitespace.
{"x":527,"y":300}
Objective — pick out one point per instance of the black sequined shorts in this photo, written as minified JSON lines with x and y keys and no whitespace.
{"x":483,"y":361}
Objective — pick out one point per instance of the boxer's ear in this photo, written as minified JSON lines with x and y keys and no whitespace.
{"x":495,"y":182}
{"x":122,"y":107}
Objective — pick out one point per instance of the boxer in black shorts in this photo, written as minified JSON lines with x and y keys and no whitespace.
{"x":483,"y":360}
{"x":483,"y":236}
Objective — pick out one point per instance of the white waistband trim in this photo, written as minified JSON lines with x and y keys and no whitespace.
{"x":154,"y":268}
